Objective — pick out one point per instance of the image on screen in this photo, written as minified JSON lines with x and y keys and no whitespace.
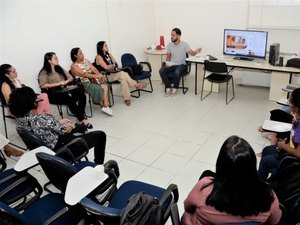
{"x":245,"y":43}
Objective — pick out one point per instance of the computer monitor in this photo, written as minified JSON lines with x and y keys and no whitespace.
{"x":245,"y":43}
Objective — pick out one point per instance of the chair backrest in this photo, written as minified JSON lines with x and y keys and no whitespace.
{"x":58,"y":170}
{"x":10,"y":216}
{"x":30,"y":139}
{"x":215,"y":67}
{"x":2,"y":163}
{"x":128,"y":60}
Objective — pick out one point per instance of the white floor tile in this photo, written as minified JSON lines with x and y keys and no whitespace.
{"x":122,"y":148}
{"x":163,"y":140}
{"x":169,"y":162}
{"x":129,"y":170}
{"x":145,"y":155}
{"x":160,"y":142}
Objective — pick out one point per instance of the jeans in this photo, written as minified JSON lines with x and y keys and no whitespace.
{"x":172,"y":74}
{"x":269,"y":162}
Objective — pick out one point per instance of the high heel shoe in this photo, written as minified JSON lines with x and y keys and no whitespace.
{"x":11,"y":151}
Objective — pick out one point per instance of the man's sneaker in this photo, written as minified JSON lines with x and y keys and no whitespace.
{"x":107,"y":110}
{"x":168,"y":92}
{"x":174,"y":91}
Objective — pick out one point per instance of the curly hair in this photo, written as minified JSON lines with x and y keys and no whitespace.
{"x":22,"y":101}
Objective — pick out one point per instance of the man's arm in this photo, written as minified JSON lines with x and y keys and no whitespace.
{"x":168,"y":56}
{"x":193,"y":53}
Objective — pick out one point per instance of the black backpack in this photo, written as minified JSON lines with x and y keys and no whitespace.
{"x":142,"y":209}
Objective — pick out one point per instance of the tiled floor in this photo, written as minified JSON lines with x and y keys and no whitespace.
{"x":163,"y":140}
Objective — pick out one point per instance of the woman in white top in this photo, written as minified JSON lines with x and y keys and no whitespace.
{"x":92,"y":80}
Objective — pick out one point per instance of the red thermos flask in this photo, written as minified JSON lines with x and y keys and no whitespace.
{"x":162,"y":41}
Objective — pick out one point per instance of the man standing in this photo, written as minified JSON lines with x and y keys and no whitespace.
{"x":175,"y":66}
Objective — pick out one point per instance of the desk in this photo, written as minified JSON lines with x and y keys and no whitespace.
{"x":275,"y":126}
{"x":280,"y":75}
{"x":83,"y":183}
{"x":156,"y":58}
{"x":28,"y":159}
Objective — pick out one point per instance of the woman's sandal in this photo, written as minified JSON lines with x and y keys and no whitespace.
{"x":127,"y":102}
{"x":141,"y":86}
{"x":11,"y":151}
{"x":89,"y":126}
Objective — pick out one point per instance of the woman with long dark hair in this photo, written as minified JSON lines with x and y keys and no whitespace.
{"x":106,"y":62}
{"x":92,"y":80}
{"x":9,"y":81}
{"x":235,"y":193}
{"x":53,"y":76}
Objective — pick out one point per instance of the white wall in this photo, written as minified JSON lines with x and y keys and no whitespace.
{"x":32,"y":28}
{"x":202,"y":22}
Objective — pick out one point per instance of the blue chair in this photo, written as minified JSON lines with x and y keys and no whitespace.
{"x":51,"y":209}
{"x":111,"y":213}
{"x":129,"y":62}
{"x":59,"y":171}
{"x":18,"y":189}
{"x":75,"y":150}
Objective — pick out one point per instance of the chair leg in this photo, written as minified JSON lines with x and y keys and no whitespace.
{"x":184,"y":89}
{"x":4,"y":121}
{"x":203,"y":88}
{"x":2,"y":156}
{"x":111,"y":96}
{"x":151,"y":87}
{"x":233,"y":95}
{"x":59,"y":107}
{"x":91,"y":108}
{"x":139,"y":90}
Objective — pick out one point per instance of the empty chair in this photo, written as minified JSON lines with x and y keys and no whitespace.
{"x":18,"y":189}
{"x":129,"y":63}
{"x":51,"y":209}
{"x":117,"y":200}
{"x":219,"y":74}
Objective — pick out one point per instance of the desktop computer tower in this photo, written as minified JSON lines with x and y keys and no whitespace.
{"x":274,"y":53}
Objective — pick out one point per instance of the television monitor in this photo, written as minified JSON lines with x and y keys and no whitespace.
{"x":245,"y":44}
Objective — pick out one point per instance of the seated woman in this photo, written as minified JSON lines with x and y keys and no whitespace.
{"x":273,"y":154}
{"x":9,"y":81}
{"x":53,"y":132}
{"x":91,"y":79}
{"x":105,"y":61}
{"x":52,"y":76}
{"x":235,"y":193}
{"x":8,"y":149}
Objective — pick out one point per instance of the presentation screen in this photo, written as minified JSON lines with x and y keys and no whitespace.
{"x":247,"y":43}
